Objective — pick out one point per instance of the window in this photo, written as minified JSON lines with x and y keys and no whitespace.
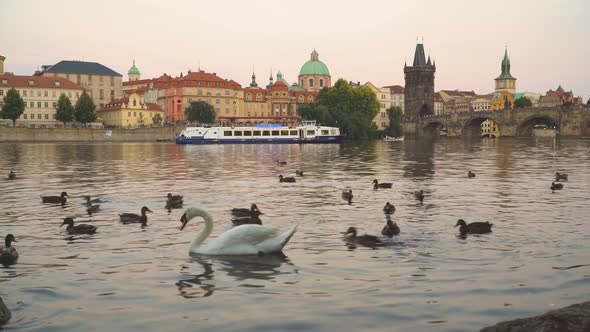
{"x":256,"y":133}
{"x":140,"y":114}
{"x":25,"y":116}
{"x":227,"y":101}
{"x":112,"y":94}
{"x":134,"y":102}
{"x":39,"y":116}
{"x":275,"y":133}
{"x":199,"y":92}
{"x":39,"y":104}
{"x":265,"y":133}
{"x":45,"y":93}
{"x":321,"y":83}
{"x":218,"y":101}
{"x":32,"y":104}
{"x":218,"y":93}
{"x":54,"y":105}
{"x":248,"y":97}
{"x":89,"y":79}
{"x":101,"y":94}
{"x":238,"y":133}
{"x":227,"y":133}
{"x":101,"y":80}
{"x":293,"y":132}
{"x":112,"y":81}
{"x":46,"y":116}
{"x":134,"y":114}
{"x":247,"y":133}
{"x":227,"y":111}
{"x":128,"y":114}
{"x":259,"y":97}
{"x":284,"y":133}
{"x":310,"y":132}
{"x":324,"y":132}
{"x":24,"y":93}
{"x":46,"y":104}
{"x":227,"y":93}
{"x":78,"y":78}
{"x":208,"y":92}
{"x":53,"y":116}
{"x":311,"y":82}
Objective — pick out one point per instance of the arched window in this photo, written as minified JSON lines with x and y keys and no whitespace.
{"x":301,"y":99}
{"x":311,"y":82}
{"x":259,"y":97}
{"x":310,"y":99}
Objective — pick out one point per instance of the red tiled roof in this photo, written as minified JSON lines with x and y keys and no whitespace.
{"x":280,"y":86}
{"x":46,"y":82}
{"x":437,"y":97}
{"x":117,"y":104}
{"x":395,"y":88}
{"x":136,"y":82}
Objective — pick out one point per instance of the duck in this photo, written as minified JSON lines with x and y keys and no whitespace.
{"x":5,"y":314}
{"x":11,"y":175}
{"x":365,"y":240}
{"x":298,"y":172}
{"x":127,"y":218}
{"x":378,"y":185}
{"x":61,"y":199}
{"x":286,"y":179}
{"x":281,"y":162}
{"x":254,"y":219}
{"x":419,"y":195}
{"x":560,"y":176}
{"x":244,"y":212}
{"x":556,"y":186}
{"x":474,"y":227}
{"x":88,"y":199}
{"x":347,"y":195}
{"x":78,"y":229}
{"x":470,"y":174}
{"x":390,"y":229}
{"x":389,"y":208}
{"x":90,"y":209}
{"x":240,"y":240}
{"x":8,"y":253}
{"x":174,"y":201}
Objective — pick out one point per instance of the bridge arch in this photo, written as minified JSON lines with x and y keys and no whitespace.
{"x":472,"y":126}
{"x":525,"y":127}
{"x":433,"y":128}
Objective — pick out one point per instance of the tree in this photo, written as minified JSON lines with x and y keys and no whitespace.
{"x":14,"y":106}
{"x":140,"y":121}
{"x":523,"y":102}
{"x":395,"y":118}
{"x":200,"y":111}
{"x":64,"y":110}
{"x":350,"y":109}
{"x":157,"y":119}
{"x":84,"y":109}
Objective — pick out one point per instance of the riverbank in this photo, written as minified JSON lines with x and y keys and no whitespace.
{"x":10,"y":134}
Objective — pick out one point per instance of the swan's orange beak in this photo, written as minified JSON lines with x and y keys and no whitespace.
{"x":184,"y":221}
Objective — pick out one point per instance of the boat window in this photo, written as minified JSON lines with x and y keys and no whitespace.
{"x":275,"y":133}
{"x":284,"y":133}
{"x":265,"y":133}
{"x":293,"y":132}
{"x":324,"y":132}
{"x":256,"y":133}
{"x":238,"y":133}
{"x":247,"y":133}
{"x":311,"y":132}
{"x":227,"y":133}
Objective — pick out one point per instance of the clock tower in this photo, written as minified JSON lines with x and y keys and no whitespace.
{"x":506,"y":82}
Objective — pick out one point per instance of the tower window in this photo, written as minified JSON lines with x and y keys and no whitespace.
{"x":311,"y":82}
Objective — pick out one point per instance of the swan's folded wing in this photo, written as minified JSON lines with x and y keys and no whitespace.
{"x":246,"y":234}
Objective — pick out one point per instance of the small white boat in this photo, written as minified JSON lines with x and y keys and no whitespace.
{"x":393,"y":139}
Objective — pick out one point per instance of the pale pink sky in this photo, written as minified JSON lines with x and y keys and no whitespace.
{"x":358,"y":40}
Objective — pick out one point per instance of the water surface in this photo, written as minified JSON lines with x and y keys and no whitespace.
{"x":426,"y":279}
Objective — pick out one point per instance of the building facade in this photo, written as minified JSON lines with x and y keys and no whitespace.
{"x":40,"y":95}
{"x":419,"y":87}
{"x":383,"y":95}
{"x":482,"y":103}
{"x":314,"y":74}
{"x":397,"y":96}
{"x":439,"y":105}
{"x":131,"y":111}
{"x":102,"y":83}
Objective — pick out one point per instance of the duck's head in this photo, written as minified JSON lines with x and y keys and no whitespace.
{"x":8,"y":239}
{"x":145,"y":209}
{"x":461,"y":222}
{"x":68,"y":221}
{"x":64,"y":194}
{"x":350,"y":233}
{"x":87,"y":198}
{"x":190,"y":213}
{"x":556,"y":173}
{"x":375,"y":181}
{"x":280,"y":177}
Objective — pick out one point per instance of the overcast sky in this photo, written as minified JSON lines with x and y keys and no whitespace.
{"x":358,"y":40}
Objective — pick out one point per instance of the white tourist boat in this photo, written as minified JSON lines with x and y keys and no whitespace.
{"x":393,"y":139}
{"x":306,"y":132}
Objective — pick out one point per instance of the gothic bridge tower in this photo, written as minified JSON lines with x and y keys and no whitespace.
{"x":419,"y":90}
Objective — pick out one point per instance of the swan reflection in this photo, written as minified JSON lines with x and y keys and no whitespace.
{"x":238,"y":268}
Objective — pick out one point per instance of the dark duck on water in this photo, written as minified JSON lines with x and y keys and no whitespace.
{"x":128,"y":218}
{"x":78,"y":229}
{"x":61,"y":199}
{"x":378,"y":185}
{"x":8,"y":253}
{"x":474,"y":227}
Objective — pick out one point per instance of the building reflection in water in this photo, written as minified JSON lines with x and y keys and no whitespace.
{"x":238,"y":268}
{"x":418,"y":158}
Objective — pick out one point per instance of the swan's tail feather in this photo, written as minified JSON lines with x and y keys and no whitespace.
{"x":287,"y":236}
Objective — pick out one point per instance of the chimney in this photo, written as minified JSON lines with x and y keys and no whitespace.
{"x":2,"y":58}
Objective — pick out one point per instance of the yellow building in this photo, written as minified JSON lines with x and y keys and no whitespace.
{"x":502,"y":100}
{"x":489,"y":128}
{"x":40,"y":95}
{"x":381,"y":120}
{"x":102,"y":83}
{"x":129,"y":112}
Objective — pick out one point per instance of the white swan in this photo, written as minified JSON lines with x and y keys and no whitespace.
{"x":240,"y":240}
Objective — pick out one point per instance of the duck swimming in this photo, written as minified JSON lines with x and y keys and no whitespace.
{"x":254,"y":220}
{"x":281,"y":162}
{"x":419,"y":195}
{"x":286,"y":179}
{"x":560,"y":176}
{"x":11,"y":175}
{"x":474,"y":227}
{"x":174,"y":201}
{"x":8,"y":253}
{"x":378,"y":185}
{"x":298,"y":172}
{"x":556,"y":186}
{"x":365,"y":240}
{"x":5,"y":314}
{"x":244,"y":212}
{"x":389,"y":208}
{"x":61,"y":199}
{"x":90,"y":209}
{"x":347,"y":195}
{"x":390,"y":229}
{"x":88,"y":199}
{"x":240,"y":240}
{"x":470,"y":174}
{"x":127,"y":218}
{"x":78,"y":229}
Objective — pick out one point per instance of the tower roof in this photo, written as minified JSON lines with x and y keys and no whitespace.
{"x":133,"y":70}
{"x":314,"y":66}
{"x":505,"y":68}
{"x":419,"y":56}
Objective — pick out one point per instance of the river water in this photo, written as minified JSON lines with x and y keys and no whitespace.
{"x":127,"y":277}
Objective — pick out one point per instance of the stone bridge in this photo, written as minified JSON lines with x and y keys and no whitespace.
{"x":569,"y":121}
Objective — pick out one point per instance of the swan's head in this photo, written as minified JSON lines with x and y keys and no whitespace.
{"x":191,"y":213}
{"x":461,"y":222}
{"x":68,"y":221}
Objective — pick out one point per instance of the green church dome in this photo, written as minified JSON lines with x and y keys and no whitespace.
{"x":133,"y":70}
{"x":314,"y":66}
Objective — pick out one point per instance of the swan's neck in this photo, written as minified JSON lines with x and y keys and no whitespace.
{"x":198,"y":241}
